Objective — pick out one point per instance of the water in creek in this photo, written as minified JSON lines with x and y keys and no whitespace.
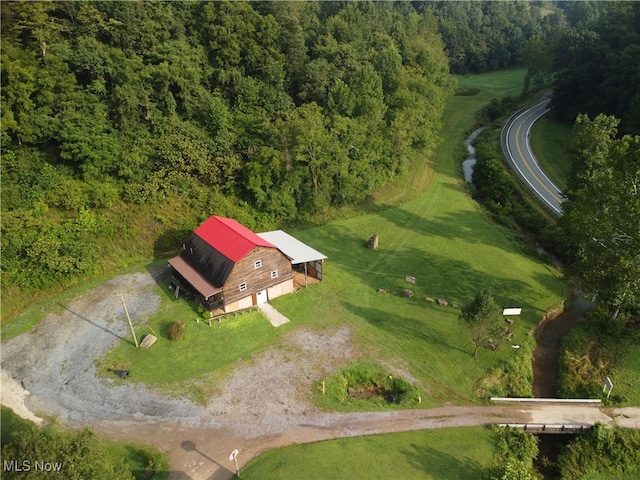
{"x":470,"y":161}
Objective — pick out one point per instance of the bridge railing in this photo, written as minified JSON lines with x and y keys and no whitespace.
{"x":549,"y":428}
{"x":583,"y":401}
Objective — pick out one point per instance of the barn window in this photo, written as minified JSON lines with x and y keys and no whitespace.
{"x":243,"y":286}
{"x":257,"y":264}
{"x":274,"y":274}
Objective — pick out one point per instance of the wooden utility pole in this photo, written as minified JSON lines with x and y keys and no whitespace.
{"x":129,"y":318}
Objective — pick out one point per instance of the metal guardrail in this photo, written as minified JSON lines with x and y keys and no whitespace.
{"x":548,"y":428}
{"x":592,"y":401}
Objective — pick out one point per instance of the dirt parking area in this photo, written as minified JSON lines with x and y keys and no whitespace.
{"x":51,"y":371}
{"x":263,"y":403}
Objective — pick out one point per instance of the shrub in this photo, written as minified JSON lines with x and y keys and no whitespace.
{"x":591,"y":351}
{"x":81,"y":453}
{"x":176,"y":330}
{"x":512,"y":378}
{"x":366,"y":375}
{"x":602,"y":450}
{"x":515,"y":452}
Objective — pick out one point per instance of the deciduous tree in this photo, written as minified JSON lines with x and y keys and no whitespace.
{"x":482,"y":317}
{"x":601,"y":220}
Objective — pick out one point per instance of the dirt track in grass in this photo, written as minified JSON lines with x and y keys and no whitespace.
{"x":262,"y":404}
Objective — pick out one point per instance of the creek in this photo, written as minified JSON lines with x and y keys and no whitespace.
{"x":470,"y":161}
{"x":546,"y":355}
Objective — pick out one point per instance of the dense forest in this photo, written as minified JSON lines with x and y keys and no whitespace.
{"x":484,"y":36}
{"x":267,"y":112}
{"x":593,"y":61}
{"x":136,"y":120}
{"x":596,"y":87}
{"x":125,"y":124}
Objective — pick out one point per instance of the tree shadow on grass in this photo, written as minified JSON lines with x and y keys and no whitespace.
{"x":447,"y":274}
{"x":403,"y":327}
{"x":438,"y":276}
{"x":441,"y":465}
{"x":462,"y":224}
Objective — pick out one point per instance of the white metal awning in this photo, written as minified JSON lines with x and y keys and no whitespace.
{"x":293,"y":248}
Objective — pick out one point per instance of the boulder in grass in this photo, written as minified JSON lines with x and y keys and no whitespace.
{"x":429,"y":299}
{"x":407,"y":293}
{"x":119,"y":373}
{"x":148,"y":340}
{"x":443,"y":302}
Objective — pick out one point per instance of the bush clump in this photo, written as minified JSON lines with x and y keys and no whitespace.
{"x":614,"y":452}
{"x":176,"y":330}
{"x":593,"y":350}
{"x":513,"y":377}
{"x":515,"y":452}
{"x":368,"y":382}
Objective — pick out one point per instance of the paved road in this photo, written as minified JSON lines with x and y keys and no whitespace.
{"x":520,"y":156}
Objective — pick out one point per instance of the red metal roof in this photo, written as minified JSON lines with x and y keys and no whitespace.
{"x":230,"y":238}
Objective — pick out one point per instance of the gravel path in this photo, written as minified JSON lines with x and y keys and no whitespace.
{"x":262,"y":405}
{"x":55,"y":361}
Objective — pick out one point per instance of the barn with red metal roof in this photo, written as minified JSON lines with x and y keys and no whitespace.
{"x":228,"y":267}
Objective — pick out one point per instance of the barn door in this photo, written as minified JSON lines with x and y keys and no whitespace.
{"x":261,"y":297}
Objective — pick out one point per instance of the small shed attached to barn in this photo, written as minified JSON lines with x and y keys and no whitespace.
{"x":304,"y":259}
{"x":227,"y":267}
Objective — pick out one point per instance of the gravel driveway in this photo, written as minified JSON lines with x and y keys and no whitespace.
{"x":263,"y":404}
{"x":55,"y":364}
{"x":55,"y":361}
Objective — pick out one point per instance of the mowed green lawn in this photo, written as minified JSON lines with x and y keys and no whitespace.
{"x":442,"y":238}
{"x":191,"y":365}
{"x":550,"y":139}
{"x":446,"y":241}
{"x":459,"y":453}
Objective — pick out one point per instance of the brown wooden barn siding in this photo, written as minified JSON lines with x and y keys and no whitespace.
{"x":256,"y":278}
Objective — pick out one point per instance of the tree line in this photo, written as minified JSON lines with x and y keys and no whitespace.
{"x":596,"y":86}
{"x":591,"y":60}
{"x":485,"y":36}
{"x":269,"y":112}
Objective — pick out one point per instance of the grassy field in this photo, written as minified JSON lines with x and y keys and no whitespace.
{"x":444,"y":240}
{"x":178,"y":366}
{"x":549,"y":139}
{"x":429,"y":454}
{"x":441,"y":237}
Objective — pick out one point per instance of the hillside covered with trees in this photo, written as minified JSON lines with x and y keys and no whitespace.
{"x":126,"y":124}
{"x":267,"y":112}
{"x":592,"y":61}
